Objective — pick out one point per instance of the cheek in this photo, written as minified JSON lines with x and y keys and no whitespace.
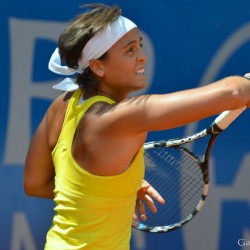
{"x":120,"y":68}
{"x":127,"y":67}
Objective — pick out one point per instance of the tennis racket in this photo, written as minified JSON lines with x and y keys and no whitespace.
{"x":180,"y":176}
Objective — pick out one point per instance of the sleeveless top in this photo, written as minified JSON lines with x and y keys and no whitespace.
{"x":91,"y":212}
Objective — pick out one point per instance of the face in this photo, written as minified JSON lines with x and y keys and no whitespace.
{"x":123,"y":69}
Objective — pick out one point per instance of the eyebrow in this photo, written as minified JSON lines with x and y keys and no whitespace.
{"x":131,"y":42}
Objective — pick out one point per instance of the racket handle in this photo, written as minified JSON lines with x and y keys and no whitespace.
{"x":227,"y":117}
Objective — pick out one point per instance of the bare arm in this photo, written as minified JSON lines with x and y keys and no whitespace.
{"x":39,"y":169}
{"x":160,"y":112}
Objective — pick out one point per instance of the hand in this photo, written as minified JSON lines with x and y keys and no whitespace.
{"x":247,"y":75}
{"x":146,"y":196}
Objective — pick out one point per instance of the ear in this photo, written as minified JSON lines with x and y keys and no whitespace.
{"x":96,"y":67}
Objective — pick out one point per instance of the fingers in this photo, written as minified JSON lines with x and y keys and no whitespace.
{"x":150,"y":203}
{"x":145,"y":184}
{"x":146,"y":196}
{"x":146,"y":188}
{"x":135,"y":219}
{"x":155,"y":195}
{"x":145,"y":201}
{"x":141,"y":209}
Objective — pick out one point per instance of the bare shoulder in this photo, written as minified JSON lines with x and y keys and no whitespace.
{"x":55,"y":116}
{"x":104,"y":122}
{"x":59,"y":103}
{"x":120,"y":119}
{"x":103,"y":131}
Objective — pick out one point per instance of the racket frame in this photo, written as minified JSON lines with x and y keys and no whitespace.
{"x":220,"y":124}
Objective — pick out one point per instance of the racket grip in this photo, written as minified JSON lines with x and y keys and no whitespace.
{"x":227,"y":117}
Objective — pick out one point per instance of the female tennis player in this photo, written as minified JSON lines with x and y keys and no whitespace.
{"x":87,"y":153}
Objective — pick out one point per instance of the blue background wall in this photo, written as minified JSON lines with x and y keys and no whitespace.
{"x":190,"y":43}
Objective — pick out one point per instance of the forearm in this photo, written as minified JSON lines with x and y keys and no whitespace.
{"x":178,"y":109}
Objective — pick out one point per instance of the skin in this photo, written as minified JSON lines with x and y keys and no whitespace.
{"x":121,"y":129}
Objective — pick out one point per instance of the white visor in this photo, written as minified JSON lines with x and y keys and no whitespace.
{"x":95,"y":48}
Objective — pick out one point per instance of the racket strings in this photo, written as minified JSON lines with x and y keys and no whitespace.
{"x":176,"y":175}
{"x":188,"y":200}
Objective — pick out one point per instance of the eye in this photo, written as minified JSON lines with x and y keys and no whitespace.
{"x":131,"y":49}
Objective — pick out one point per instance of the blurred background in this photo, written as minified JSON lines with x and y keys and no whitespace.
{"x":189,"y":44}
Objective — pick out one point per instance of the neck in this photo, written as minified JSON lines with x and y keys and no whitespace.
{"x":117,"y":97}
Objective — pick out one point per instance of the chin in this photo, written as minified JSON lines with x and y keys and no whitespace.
{"x":143,"y":85}
{"x":139,"y":90}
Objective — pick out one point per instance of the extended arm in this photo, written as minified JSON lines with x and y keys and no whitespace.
{"x":160,"y":112}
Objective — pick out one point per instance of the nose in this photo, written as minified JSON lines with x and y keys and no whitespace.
{"x":142,"y":56}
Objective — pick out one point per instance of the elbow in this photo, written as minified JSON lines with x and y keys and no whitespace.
{"x":30,"y":185}
{"x":238,"y":92}
{"x":28,"y":188}
{"x":33,"y":188}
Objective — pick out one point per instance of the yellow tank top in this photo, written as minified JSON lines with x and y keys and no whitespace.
{"x":91,"y":212}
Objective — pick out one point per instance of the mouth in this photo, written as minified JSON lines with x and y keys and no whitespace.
{"x":140,"y":72}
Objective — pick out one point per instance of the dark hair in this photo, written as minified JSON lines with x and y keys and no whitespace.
{"x":77,"y":34}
